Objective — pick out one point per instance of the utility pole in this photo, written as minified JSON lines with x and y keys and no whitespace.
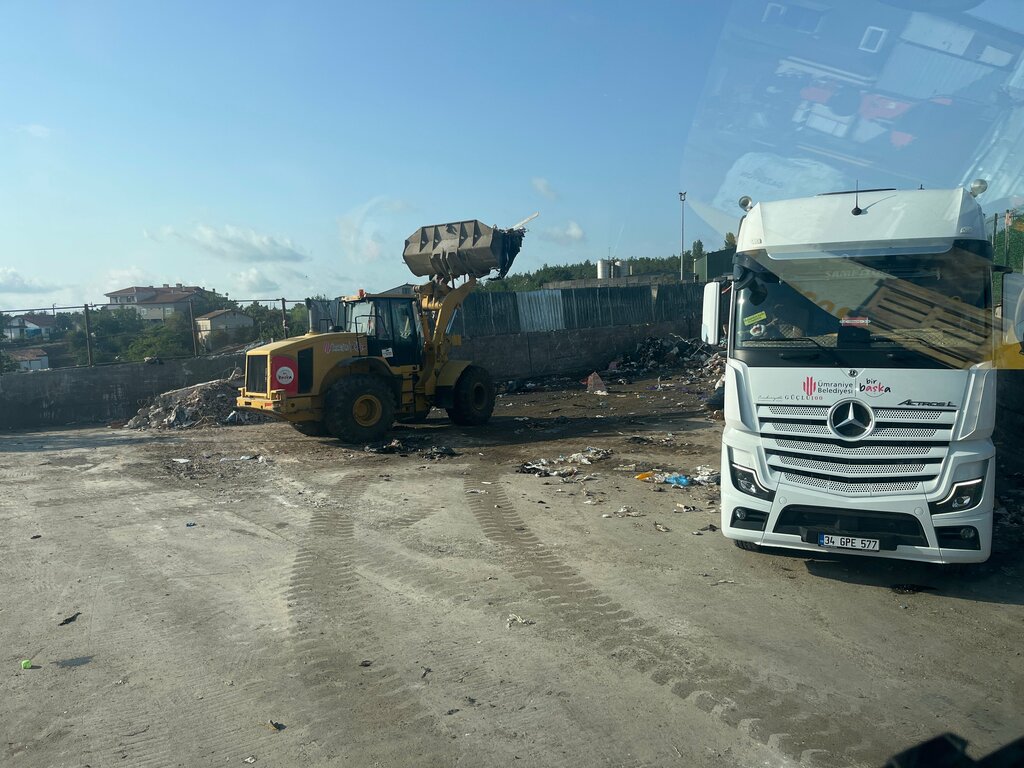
{"x":682,"y":232}
{"x":88,"y":336}
{"x":192,"y":327}
{"x":284,"y":318}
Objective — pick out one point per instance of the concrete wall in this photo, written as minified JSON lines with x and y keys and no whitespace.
{"x":523,"y":355}
{"x":66,"y":396}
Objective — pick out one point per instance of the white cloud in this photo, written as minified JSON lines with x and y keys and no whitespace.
{"x":34,"y":130}
{"x":570,"y":234}
{"x":360,"y":229}
{"x":543,"y":186}
{"x":255,"y":283}
{"x":233,"y":243}
{"x":116,"y":279}
{"x":12,"y":281}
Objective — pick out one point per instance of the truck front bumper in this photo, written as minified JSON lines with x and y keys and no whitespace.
{"x":902,"y":524}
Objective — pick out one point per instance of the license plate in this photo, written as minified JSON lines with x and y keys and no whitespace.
{"x":847,"y":542}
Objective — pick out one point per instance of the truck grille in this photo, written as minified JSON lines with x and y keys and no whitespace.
{"x":904,"y":451}
{"x":256,"y":373}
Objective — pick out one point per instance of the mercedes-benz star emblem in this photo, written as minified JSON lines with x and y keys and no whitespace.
{"x":851,"y":419}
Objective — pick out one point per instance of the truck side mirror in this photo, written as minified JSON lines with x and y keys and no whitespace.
{"x":710,"y":327}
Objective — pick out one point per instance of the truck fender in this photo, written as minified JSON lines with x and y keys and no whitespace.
{"x":444,"y":393}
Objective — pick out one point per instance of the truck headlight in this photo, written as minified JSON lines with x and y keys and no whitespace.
{"x":745,"y":480}
{"x":964,"y":495}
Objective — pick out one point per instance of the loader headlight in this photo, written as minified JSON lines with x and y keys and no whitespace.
{"x":745,"y":480}
{"x":962,"y":496}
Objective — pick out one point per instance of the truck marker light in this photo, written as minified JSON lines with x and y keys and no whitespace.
{"x":963,"y":495}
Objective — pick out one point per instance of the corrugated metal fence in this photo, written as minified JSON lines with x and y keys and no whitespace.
{"x":488,"y":313}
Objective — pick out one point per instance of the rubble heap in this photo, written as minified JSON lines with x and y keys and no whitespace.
{"x":208,"y":404}
{"x":653,"y":354}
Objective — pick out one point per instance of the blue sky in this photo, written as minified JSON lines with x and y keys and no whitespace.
{"x":271,"y":149}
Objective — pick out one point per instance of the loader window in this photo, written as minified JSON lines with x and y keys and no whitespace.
{"x":369,"y":317}
{"x":408,"y":344}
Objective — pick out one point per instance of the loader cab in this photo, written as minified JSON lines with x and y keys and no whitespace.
{"x":391,"y":325}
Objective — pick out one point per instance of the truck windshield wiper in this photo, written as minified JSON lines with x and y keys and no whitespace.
{"x":810,"y":355}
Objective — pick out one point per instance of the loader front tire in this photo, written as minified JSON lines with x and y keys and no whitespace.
{"x":359,"y":408}
{"x":473,"y":398}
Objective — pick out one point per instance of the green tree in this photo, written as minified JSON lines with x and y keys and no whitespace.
{"x":112,"y":331}
{"x":266,"y":321}
{"x":171,"y":338}
{"x":698,"y":250}
{"x":730,"y":240}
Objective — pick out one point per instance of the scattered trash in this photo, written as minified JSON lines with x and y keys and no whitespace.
{"x":910,"y":589}
{"x":366,"y":663}
{"x":36,"y":536}
{"x":276,"y":726}
{"x":604,"y":515}
{"x":476,"y":490}
{"x":190,"y":524}
{"x":705,"y":475}
{"x":696,"y":533}
{"x":181,"y":461}
{"x":70,"y":619}
{"x":394,"y":446}
{"x":257,"y":457}
{"x":426,"y":671}
{"x":659,"y":527}
{"x":722,"y":581}
{"x":515,"y":618}
{"x":438,"y":452}
{"x":669,"y":478}
{"x":710,"y":527}
{"x":627,"y":511}
{"x":452,"y":711}
{"x":685,"y":508}
{"x":26,"y":664}
{"x":250,"y":759}
{"x":595,"y":385}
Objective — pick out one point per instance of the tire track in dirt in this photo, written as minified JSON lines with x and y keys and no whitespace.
{"x":348,"y":708}
{"x":329,"y":579}
{"x":771,"y":710}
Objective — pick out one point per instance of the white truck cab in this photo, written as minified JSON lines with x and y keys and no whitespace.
{"x":860,"y":391}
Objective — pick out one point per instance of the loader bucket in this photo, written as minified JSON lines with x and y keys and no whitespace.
{"x":462,"y":249}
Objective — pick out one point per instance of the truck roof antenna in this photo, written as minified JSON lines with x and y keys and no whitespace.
{"x":857,"y":210}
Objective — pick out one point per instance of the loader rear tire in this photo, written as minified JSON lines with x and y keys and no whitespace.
{"x":359,"y":408}
{"x":749,"y":546}
{"x":473,"y":398}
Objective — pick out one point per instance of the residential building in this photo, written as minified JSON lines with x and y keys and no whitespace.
{"x":157,"y":303}
{"x":221,"y":320}
{"x":31,"y":359}
{"x":30,"y":326}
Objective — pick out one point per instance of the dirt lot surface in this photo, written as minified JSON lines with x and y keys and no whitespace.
{"x":314,"y":605}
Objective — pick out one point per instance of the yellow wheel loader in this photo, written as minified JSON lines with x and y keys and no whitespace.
{"x":371,"y":359}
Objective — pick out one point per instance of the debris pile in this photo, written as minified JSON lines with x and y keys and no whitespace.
{"x":652,"y":354}
{"x":208,"y":404}
{"x":408,"y":446}
{"x":702,"y":475}
{"x":566,"y":467}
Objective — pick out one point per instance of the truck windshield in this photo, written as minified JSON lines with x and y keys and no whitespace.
{"x":921,"y":310}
